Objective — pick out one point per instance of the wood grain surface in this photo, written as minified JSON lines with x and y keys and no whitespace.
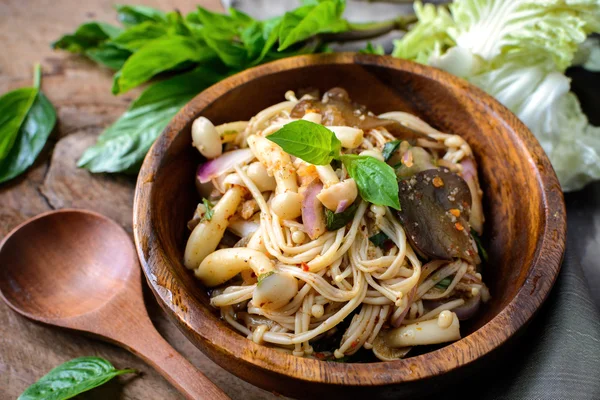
{"x":81,"y":94}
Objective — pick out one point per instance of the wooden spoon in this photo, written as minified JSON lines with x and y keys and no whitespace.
{"x":77,"y":269}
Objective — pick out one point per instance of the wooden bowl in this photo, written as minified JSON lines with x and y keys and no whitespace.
{"x":525,"y":228}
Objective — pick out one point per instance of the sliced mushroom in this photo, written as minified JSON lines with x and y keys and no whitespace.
{"x":337,"y":109}
{"x":385,"y":353}
{"x":436,"y":206}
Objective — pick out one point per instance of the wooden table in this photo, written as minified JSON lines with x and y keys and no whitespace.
{"x":80,"y":91}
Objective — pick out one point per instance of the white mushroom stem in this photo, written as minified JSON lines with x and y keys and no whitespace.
{"x":372,"y":153}
{"x":327,"y":175}
{"x":261,"y":178}
{"x":343,"y":193}
{"x":207,"y":234}
{"x":350,"y":138}
{"x":423,"y":333}
{"x":287,"y":203}
{"x":256,"y":242}
{"x":274,"y":289}
{"x":243,"y":228}
{"x":206,"y":138}
{"x":231,"y":180}
{"x":234,"y":127}
{"x":312,"y":117}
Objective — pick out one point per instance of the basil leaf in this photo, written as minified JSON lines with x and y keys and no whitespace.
{"x":176,"y":24}
{"x":310,"y":20}
{"x":122,"y":146}
{"x":370,"y":49}
{"x":135,"y":15}
{"x":232,"y":54}
{"x":109,"y":55}
{"x":31,"y":139}
{"x":72,"y":378}
{"x":444,"y":283}
{"x":137,"y":36}
{"x":253,"y":40}
{"x":32,"y":128}
{"x":270,"y":35}
{"x":221,"y":26}
{"x":158,"y":56}
{"x":379,"y":239}
{"x":240,"y":17}
{"x":311,"y":142}
{"x":376,"y":181}
{"x":87,"y":36}
{"x":14,"y":107}
{"x":389,"y":148}
{"x":335,"y":221}
{"x":480,"y":247}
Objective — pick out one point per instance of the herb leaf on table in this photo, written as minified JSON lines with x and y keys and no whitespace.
{"x":26,"y":120}
{"x":122,"y":146}
{"x":153,"y":43}
{"x":72,"y":378}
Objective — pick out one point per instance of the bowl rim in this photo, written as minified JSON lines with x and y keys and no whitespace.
{"x":546,"y":261}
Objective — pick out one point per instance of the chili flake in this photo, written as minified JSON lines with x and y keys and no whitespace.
{"x":455,"y":212}
{"x":438,"y":182}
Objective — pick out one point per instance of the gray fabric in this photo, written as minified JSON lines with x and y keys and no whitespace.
{"x":558,"y":356}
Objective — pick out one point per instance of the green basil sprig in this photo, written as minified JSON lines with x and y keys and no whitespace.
{"x":72,"y":378}
{"x":311,"y":142}
{"x":311,"y":19}
{"x":315,"y":144}
{"x":26,"y":120}
{"x":152,"y":43}
{"x":122,"y":146}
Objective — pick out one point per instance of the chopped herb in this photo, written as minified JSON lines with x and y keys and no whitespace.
{"x":262,"y":277}
{"x":389,"y":149}
{"x":444,"y":283}
{"x":209,"y":211}
{"x":335,"y":221}
{"x":480,"y":248}
{"x":379,"y":239}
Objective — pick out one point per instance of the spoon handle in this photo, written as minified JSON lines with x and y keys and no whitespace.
{"x":156,"y":351}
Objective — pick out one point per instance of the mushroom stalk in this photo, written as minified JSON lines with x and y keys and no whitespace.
{"x":287,"y":202}
{"x":422,"y":333}
{"x":274,"y":289}
{"x":207,"y":234}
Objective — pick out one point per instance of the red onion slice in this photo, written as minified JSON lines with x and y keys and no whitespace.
{"x":313,"y":216}
{"x":222,"y":164}
{"x":342,"y":205}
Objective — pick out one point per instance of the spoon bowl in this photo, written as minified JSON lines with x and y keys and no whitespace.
{"x":78,"y":270}
{"x":65,"y":264}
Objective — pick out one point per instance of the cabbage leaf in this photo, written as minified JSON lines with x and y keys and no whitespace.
{"x":518,"y":51}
